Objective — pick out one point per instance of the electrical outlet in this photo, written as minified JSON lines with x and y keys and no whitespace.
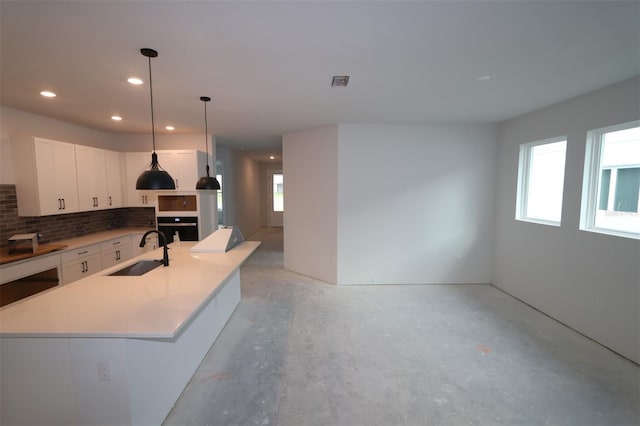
{"x":104,"y":371}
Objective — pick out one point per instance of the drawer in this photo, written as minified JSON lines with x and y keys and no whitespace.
{"x":71,"y":255}
{"x":115,"y":243}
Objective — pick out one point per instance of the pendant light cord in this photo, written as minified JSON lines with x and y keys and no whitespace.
{"x":206,"y":139}
{"x":153,"y":132}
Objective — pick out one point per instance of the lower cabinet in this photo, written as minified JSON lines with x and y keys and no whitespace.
{"x":72,"y":265}
{"x":115,"y":251}
{"x":81,"y":267}
{"x":151,"y":243}
{"x":82,"y":262}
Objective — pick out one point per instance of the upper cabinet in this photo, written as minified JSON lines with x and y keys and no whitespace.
{"x":184,"y":166}
{"x":135,"y":164}
{"x":55,"y":177}
{"x":99,"y":175}
{"x":92,"y":178}
{"x":45,"y":175}
{"x":115,"y":171}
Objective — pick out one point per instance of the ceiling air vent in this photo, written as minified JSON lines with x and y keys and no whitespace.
{"x":340,"y":81}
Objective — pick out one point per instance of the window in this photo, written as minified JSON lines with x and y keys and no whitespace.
{"x":541,"y":181}
{"x":611,"y":187}
{"x":278,"y":192}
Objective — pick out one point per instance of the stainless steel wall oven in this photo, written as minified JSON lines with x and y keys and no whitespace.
{"x":185,"y":226}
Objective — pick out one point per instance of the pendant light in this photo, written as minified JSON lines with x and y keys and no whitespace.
{"x":155,"y":177}
{"x":207,"y":182}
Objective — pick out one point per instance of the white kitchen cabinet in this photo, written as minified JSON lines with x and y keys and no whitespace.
{"x":151,"y":243}
{"x":135,"y":164}
{"x":115,"y":251}
{"x":45,"y":176}
{"x":80,"y":263}
{"x":114,"y":169}
{"x":92,"y":178}
{"x":184,"y":166}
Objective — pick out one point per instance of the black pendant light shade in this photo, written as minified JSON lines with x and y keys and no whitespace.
{"x":207,"y":182}
{"x":155,"y":177}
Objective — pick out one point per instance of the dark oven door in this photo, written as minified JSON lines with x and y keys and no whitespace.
{"x":185,"y":226}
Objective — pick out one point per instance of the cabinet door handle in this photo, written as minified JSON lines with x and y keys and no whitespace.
{"x":83,"y":252}
{"x":59,"y":203}
{"x":83,"y":269}
{"x":116,"y":243}
{"x":86,"y":266}
{"x":64,"y":205}
{"x":117,"y":254}
{"x":177,"y":185}
{"x":110,"y":202}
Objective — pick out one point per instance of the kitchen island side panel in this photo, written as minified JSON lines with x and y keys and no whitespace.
{"x":160,"y":369}
{"x":36,"y":385}
{"x":107,"y":381}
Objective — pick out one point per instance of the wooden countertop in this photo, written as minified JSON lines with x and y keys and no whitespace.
{"x":69,"y":244}
{"x":5,"y":257}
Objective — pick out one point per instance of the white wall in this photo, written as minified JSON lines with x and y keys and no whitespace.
{"x":241,"y":190}
{"x":415,"y":203}
{"x":591,"y":282}
{"x":14,"y":122}
{"x":310,"y":168}
{"x":143,"y":142}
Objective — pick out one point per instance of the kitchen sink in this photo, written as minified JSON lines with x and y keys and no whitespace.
{"x":139,"y":268}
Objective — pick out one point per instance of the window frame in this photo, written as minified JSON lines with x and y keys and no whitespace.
{"x":591,"y":180}
{"x":524,"y":169}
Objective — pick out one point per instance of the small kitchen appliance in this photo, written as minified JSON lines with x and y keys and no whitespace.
{"x":23,"y":243}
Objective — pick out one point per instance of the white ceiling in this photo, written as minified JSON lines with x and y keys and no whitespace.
{"x":268,"y":65}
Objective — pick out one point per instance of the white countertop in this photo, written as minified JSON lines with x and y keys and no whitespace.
{"x":154,"y":305}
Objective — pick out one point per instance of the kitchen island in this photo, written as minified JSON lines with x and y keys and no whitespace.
{"x":116,"y":349}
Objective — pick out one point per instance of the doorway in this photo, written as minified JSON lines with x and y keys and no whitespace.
{"x":219,"y":194}
{"x":275,"y":182}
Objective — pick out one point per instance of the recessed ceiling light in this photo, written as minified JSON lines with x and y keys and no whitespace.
{"x":271,"y":157}
{"x":116,"y":118}
{"x":340,"y":81}
{"x":483,"y":78}
{"x":134,"y":80}
{"x":170,"y":128}
{"x":48,"y":94}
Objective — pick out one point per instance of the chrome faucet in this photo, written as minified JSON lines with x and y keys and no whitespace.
{"x":162,"y":242}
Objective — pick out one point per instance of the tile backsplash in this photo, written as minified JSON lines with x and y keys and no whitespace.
{"x":58,"y":227}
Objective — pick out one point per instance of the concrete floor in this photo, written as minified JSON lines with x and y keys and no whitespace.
{"x":302,"y":352}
